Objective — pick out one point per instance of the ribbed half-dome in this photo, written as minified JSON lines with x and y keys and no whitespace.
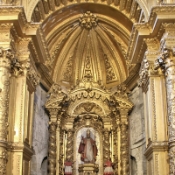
{"x":88,"y":47}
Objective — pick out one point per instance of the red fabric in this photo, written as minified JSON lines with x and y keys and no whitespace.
{"x":67,"y":163}
{"x":108,"y":163}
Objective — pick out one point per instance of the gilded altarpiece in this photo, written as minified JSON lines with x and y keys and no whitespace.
{"x":104,"y":115}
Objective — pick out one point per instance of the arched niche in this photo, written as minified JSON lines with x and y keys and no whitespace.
{"x":96,"y":135}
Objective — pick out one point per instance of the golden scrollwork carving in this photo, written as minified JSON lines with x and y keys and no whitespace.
{"x":56,"y":97}
{"x":110,"y":74}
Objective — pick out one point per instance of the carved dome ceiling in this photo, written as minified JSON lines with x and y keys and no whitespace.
{"x":87,"y":43}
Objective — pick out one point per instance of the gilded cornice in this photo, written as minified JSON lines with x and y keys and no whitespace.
{"x":33,"y":51}
{"x":152,"y":28}
{"x":12,"y":11}
{"x":156,"y":146}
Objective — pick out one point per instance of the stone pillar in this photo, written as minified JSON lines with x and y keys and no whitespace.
{"x":155,"y":111}
{"x":22,"y":86}
{"x":106,"y":144}
{"x":124,"y":145}
{"x":166,"y":61}
{"x":5,"y":64}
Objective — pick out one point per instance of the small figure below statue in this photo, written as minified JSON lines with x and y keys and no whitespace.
{"x":108,"y":170}
{"x":88,"y":149}
{"x":68,"y":167}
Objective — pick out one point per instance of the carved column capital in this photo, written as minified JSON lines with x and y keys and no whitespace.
{"x":165,"y":59}
{"x":6,"y":55}
{"x":124,"y":110}
{"x":19,"y":68}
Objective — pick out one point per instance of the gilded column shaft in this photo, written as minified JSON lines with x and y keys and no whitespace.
{"x":106,"y":145}
{"x":5,"y":55}
{"x":61,"y":152}
{"x":69,"y":150}
{"x":115,"y":147}
{"x":58,"y":147}
{"x":124,"y":149}
{"x":52,"y":148}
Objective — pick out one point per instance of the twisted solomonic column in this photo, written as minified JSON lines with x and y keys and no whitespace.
{"x":69,"y":150}
{"x":61,"y":152}
{"x":115,"y":140}
{"x":52,"y":148}
{"x":106,"y":145}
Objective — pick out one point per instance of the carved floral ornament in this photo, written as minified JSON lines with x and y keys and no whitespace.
{"x":88,"y":20}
